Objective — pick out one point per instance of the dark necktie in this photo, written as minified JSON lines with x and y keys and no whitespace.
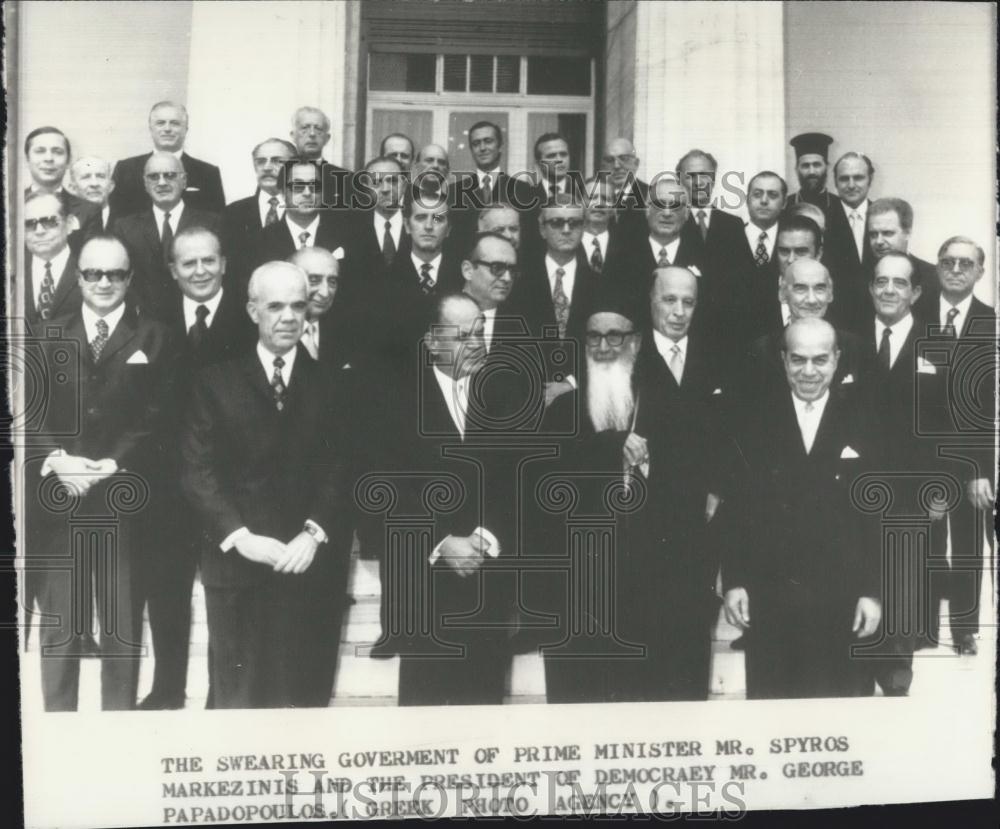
{"x":596,"y":259}
{"x":272,"y":212}
{"x":97,"y":344}
{"x":199,"y":330}
{"x":487,"y":189}
{"x":760,"y":256}
{"x":167,"y":236}
{"x":949,"y":323}
{"x":663,"y":261}
{"x":46,"y":293}
{"x":278,"y":384}
{"x":426,"y":285}
{"x":702,"y":225}
{"x":304,"y":238}
{"x":883,"y":350}
{"x":560,"y":302}
{"x":388,"y":245}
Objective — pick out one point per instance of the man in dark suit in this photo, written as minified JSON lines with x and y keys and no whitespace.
{"x":310,"y":134}
{"x":50,"y":286}
{"x":100,"y":427}
{"x":261,"y":474}
{"x":378,"y":234}
{"x":905,"y":391}
{"x":602,"y":233}
{"x":452,"y":582}
{"x":811,"y":165}
{"x":890,"y":224}
{"x":555,"y":293}
{"x":168,"y":126}
{"x":244,"y":219}
{"x":553,"y":166}
{"x":845,"y":248}
{"x":725,"y":260}
{"x":503,"y":219}
{"x":962,"y":333}
{"x":90,"y":176}
{"x":306,"y":221}
{"x":631,"y":194}
{"x":662,"y":244}
{"x":492,"y":183}
{"x":148,"y":235}
{"x":399,"y":148}
{"x":798,"y":237}
{"x":800,"y":569}
{"x":48,"y":154}
{"x":656,"y":588}
{"x":208,"y":319}
{"x":326,"y":334}
{"x":766,"y":196}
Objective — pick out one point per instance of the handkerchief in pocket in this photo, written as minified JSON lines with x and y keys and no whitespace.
{"x":849,"y":453}
{"x":924,"y":367}
{"x":848,"y":379}
{"x":138,"y":358}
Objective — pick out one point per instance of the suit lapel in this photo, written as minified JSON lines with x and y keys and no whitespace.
{"x":120,"y":337}
{"x":254,"y":373}
{"x":150,"y":230}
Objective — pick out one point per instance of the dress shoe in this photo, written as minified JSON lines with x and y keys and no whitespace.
{"x":161,"y":702}
{"x":965,"y":645}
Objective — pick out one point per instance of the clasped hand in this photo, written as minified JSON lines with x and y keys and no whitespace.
{"x":79,"y":474}
{"x":464,"y":554}
{"x":294,"y":557}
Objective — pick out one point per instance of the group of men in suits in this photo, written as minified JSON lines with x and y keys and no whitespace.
{"x":722,"y":386}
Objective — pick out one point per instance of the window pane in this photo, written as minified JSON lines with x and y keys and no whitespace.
{"x":458,"y":136}
{"x":401,"y":73}
{"x":558,"y":76}
{"x":415,"y":123}
{"x":481,"y":74}
{"x":508,"y":73}
{"x":454,"y":73}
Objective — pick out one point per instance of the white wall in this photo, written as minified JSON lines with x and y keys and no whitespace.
{"x":912,"y":86}
{"x":94,"y":70}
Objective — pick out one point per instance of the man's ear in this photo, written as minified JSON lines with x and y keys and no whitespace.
{"x":917,"y":290}
{"x":252,"y":310}
{"x":466,"y":270}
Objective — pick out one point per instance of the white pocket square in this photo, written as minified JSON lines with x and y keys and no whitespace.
{"x":338,"y":253}
{"x":138,"y":358}
{"x":192,"y":189}
{"x":694,"y":270}
{"x":848,"y":379}
{"x":717,"y":391}
{"x":923,"y":367}
{"x":849,"y":453}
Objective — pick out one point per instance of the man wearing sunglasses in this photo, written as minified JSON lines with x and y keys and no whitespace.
{"x":149,"y":234}
{"x":168,"y":127}
{"x":104,"y":416}
{"x":50,"y":286}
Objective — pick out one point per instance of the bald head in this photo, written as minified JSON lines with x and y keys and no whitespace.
{"x":672,"y":300}
{"x":807,"y":288}
{"x":810,"y":356}
{"x":432,"y":157}
{"x":91,"y":179}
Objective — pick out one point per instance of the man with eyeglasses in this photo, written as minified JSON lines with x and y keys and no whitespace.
{"x":207,"y":318}
{"x":50,"y":284}
{"x":149,"y":234}
{"x":963,"y":333}
{"x":556,"y":290}
{"x":889,"y":227}
{"x":627,"y":432}
{"x":105,"y":418}
{"x":306,"y":223}
{"x":244,"y":219}
{"x":631,"y":194}
{"x":310,"y":134}
{"x":168,"y":127}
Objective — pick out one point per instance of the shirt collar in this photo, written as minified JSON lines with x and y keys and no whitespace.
{"x":58,"y":262}
{"x":963,"y":306}
{"x":900,"y":331}
{"x":312,"y":228}
{"x":665,"y":345}
{"x":493,"y":174}
{"x":818,"y":405}
{"x":861,"y":209}
{"x":551,"y":266}
{"x":435,"y":264}
{"x":267,"y":358}
{"x":112,"y":319}
{"x":670,"y":246}
{"x":395,"y":223}
{"x":264,"y":200}
{"x":175,"y":214}
{"x":191,"y":307}
{"x":588,"y":239}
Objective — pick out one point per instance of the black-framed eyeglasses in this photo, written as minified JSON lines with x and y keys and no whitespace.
{"x":44,"y":222}
{"x":96,"y":275}
{"x":154,"y":177}
{"x":564,"y":224}
{"x":612,"y":338}
{"x":949,"y":262}
{"x":302,"y":186}
{"x":498,"y":269}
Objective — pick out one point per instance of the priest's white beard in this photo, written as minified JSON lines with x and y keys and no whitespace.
{"x":610,"y":401}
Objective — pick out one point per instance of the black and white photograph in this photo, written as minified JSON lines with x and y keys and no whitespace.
{"x":474,"y":408}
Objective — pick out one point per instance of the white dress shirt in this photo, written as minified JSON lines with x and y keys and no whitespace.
{"x":489,"y":321}
{"x":395,"y":227}
{"x":786,"y":314}
{"x":809,"y":415}
{"x":191,"y":309}
{"x":672,"y":248}
{"x":310,"y":338}
{"x":961,"y":317}
{"x":858,"y":228}
{"x":900,"y":331}
{"x":602,"y":241}
{"x":665,"y":346}
{"x":435,"y":264}
{"x":312,"y":228}
{"x":264,"y":206}
{"x":561,"y":185}
{"x":569,"y":276}
{"x":494,"y":175}
{"x":175,"y":218}
{"x":708,"y":215}
{"x":753,"y":237}
{"x":90,"y":319}
{"x":38,"y":271}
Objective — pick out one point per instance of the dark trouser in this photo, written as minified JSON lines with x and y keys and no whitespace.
{"x":475,"y":678}
{"x":169,"y":583}
{"x":961,"y":580}
{"x":64,"y":599}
